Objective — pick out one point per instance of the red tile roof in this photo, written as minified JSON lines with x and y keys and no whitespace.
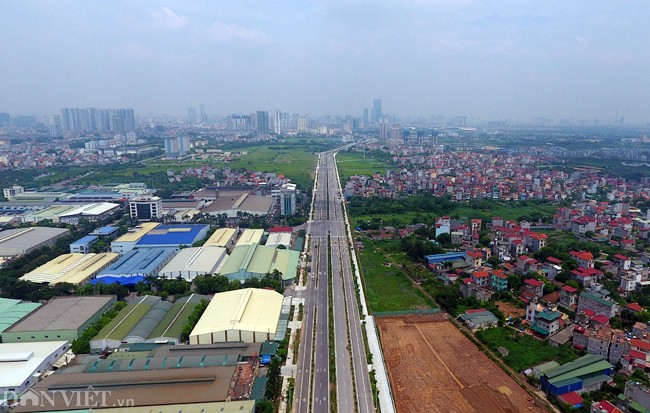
{"x":587,"y":256}
{"x":480,"y":274}
{"x":572,"y":399}
{"x":533,"y":282}
{"x":634,"y":307}
{"x":601,"y":319}
{"x":553,"y":260}
{"x":621,"y":257}
{"x":569,"y":289}
{"x":607,"y":407}
{"x":475,"y":310}
{"x":643,"y":345}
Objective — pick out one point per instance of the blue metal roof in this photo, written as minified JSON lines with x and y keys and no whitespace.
{"x":105,"y":230}
{"x":88,"y":239}
{"x":173,"y":235}
{"x":142,"y":261}
{"x":449,"y":256}
{"x":120,"y":280}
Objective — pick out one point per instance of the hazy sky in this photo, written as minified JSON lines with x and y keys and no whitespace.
{"x":514,"y":59}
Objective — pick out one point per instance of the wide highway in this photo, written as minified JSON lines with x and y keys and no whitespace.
{"x":331,"y":268}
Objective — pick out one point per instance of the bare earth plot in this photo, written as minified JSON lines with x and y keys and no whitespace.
{"x":433,"y":367}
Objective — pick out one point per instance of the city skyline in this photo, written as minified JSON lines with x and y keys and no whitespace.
{"x":486,"y":61}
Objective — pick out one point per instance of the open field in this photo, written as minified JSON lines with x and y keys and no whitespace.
{"x":510,"y":310}
{"x":386,"y":287}
{"x":353,"y":163}
{"x":450,"y":374}
{"x":524,"y":351}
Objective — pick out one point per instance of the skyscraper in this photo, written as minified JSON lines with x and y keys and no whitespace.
{"x":191,"y":115}
{"x":365,"y":117}
{"x":376,"y":111}
{"x":383,"y":131}
{"x":262,"y":122}
{"x":94,"y":119}
{"x":302,"y":124}
{"x":277,"y":122}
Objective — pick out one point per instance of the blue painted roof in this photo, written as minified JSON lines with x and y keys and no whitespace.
{"x":141,"y":261}
{"x":449,"y":256}
{"x":105,"y":230}
{"x":85,"y":240}
{"x":120,"y":280}
{"x":172,"y":235}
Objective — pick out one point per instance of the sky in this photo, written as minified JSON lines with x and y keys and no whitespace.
{"x":490,"y":60}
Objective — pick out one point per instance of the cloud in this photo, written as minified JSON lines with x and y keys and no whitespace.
{"x":169,"y":20}
{"x":220,"y":31}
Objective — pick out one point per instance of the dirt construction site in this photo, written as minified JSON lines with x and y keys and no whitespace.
{"x":433,"y":367}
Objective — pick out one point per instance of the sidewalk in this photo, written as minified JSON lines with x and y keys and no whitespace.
{"x":289,"y":369}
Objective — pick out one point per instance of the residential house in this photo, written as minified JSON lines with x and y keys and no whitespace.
{"x":526,"y":264}
{"x":586,"y":277}
{"x":498,"y":280}
{"x":552,"y":267}
{"x":474,"y":258}
{"x":537,"y":241}
{"x":638,"y":356}
{"x":481,"y":278}
{"x":568,"y":296}
{"x":534,"y":286}
{"x":622,"y":262}
{"x":469,"y":289}
{"x":547,"y":323}
{"x":583,"y":258}
{"x":597,"y":301}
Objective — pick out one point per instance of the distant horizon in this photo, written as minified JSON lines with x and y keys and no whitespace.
{"x":491,"y":61}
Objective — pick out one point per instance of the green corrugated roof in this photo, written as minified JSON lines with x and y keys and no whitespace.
{"x":11,"y":311}
{"x":637,"y":407}
{"x":566,"y":382}
{"x":596,"y":298}
{"x":580,"y":362}
{"x":579,"y":371}
{"x":286,"y":261}
{"x":549,"y":316}
{"x":540,"y":330}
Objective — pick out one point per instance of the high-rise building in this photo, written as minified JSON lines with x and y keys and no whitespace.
{"x":277,"y":122}
{"x":5,"y":119}
{"x":172,"y":147}
{"x":54,"y":125}
{"x":383,"y":131}
{"x":262,"y":122}
{"x":145,"y":208}
{"x":365,"y":117}
{"x":396,"y":132}
{"x":184,"y":144}
{"x":288,"y":199}
{"x":302,"y":124}
{"x":203,"y":118}
{"x":191,"y":116}
{"x":376,"y":111}
{"x":93,"y":119}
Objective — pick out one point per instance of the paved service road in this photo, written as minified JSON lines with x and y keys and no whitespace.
{"x":329,"y":245}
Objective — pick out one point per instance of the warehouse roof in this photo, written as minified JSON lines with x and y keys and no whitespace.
{"x":206,"y":260}
{"x":252,"y":258}
{"x":108,"y":230}
{"x":70,"y":268}
{"x":13,"y":310}
{"x":250,"y":236}
{"x":585,"y":365}
{"x":92,"y":209}
{"x":54,"y":211}
{"x":63,"y":313}
{"x":140,"y":261}
{"x":176,"y":318}
{"x":249,"y":309}
{"x":150,"y":321}
{"x":85,"y":240}
{"x":243,"y":406}
{"x":17,"y":241}
{"x":221,"y":237}
{"x":596,"y":298}
{"x":135,"y":234}
{"x":18,"y":361}
{"x":279,"y":238}
{"x":149,"y":387}
{"x":120,"y":326}
{"x":185,"y":234}
{"x":286,"y":261}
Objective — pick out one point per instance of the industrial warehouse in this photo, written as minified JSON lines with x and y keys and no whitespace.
{"x":16,"y":242}
{"x":146,"y":319}
{"x":190,"y":262}
{"x":249,"y":315}
{"x":62,"y":318}
{"x":74,"y":268}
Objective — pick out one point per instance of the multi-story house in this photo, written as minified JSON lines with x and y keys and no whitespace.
{"x":534,"y":286}
{"x":568,"y":296}
{"x":481,"y":278}
{"x":583,"y":258}
{"x":598,"y":302}
{"x":498,"y":280}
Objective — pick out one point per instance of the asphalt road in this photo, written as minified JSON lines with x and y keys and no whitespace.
{"x":352,"y":380}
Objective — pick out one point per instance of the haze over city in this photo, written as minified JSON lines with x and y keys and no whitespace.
{"x":486,"y":60}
